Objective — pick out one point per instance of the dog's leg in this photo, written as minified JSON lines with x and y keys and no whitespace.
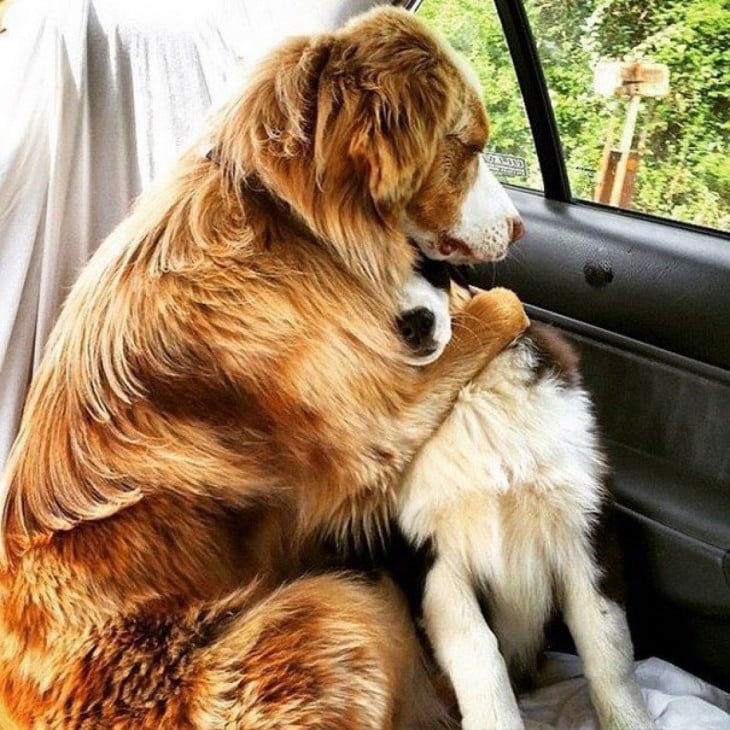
{"x":323,"y":652}
{"x":320,"y":653}
{"x":468,"y":651}
{"x":489,"y":322}
{"x":486,"y":325}
{"x":602,"y":637}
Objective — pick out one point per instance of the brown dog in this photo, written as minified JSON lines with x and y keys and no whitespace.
{"x":225,"y":387}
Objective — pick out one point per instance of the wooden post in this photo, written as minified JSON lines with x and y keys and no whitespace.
{"x":601,"y":179}
{"x":624,"y":149}
{"x":619,"y":166}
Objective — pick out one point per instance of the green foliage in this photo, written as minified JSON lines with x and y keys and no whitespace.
{"x":684,"y":172}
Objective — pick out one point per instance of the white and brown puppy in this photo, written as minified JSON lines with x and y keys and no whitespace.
{"x":504,"y":501}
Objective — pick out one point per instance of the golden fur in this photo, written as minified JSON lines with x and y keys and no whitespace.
{"x":223,"y":388}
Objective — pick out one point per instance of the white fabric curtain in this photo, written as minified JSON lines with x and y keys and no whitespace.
{"x":97,"y":97}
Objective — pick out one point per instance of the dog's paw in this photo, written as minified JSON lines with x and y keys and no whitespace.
{"x":637,"y":718}
{"x":480,"y":722}
{"x":497,"y":716}
{"x":498,"y":313}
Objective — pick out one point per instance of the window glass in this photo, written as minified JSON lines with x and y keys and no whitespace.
{"x":473,"y":28}
{"x":640,"y":92}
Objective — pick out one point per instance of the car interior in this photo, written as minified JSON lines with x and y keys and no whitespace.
{"x":609,"y":127}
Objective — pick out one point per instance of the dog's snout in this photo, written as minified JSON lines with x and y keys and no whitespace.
{"x":416,"y":327}
{"x":517,"y":229}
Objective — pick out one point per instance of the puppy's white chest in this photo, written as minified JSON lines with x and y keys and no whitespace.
{"x":510,"y":461}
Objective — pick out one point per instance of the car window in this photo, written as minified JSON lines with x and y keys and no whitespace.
{"x":473,"y":28}
{"x":640,"y":91}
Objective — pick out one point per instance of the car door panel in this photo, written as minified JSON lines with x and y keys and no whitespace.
{"x":662,"y":399}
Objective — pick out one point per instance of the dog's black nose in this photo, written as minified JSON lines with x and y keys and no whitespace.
{"x":416,"y":327}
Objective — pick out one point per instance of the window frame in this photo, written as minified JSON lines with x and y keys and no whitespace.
{"x":534,"y":90}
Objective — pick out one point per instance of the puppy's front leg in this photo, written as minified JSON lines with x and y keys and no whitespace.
{"x":602,"y":637}
{"x":468,"y":651}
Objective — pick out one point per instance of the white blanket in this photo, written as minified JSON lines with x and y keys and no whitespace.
{"x":676,"y":699}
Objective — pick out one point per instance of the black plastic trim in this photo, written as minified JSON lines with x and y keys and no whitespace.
{"x":696,"y":507}
{"x":411,"y":5}
{"x":642,"y":215}
{"x":583,"y":331}
{"x":531,"y":79}
{"x":687,"y":571}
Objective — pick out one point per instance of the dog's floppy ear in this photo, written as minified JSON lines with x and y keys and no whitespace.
{"x":296,"y":91}
{"x":384,"y":98}
{"x":393,"y":138}
{"x":277,"y":114}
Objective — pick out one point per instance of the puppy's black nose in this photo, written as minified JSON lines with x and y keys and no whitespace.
{"x":416,"y":327}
